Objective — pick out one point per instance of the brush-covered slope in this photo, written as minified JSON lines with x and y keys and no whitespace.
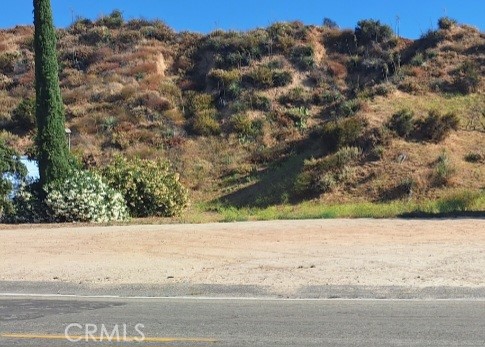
{"x":283,"y":113}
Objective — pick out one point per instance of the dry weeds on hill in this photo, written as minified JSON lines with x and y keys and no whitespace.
{"x":266,"y":112}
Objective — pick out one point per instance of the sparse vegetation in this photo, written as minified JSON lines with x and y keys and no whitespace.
{"x":241,"y":114}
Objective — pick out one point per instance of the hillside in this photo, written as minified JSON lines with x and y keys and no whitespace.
{"x":269,"y":116}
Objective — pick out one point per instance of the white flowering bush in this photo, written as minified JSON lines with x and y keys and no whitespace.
{"x":150,"y":188}
{"x":84,"y":197}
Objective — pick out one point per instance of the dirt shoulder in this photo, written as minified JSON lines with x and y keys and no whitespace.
{"x":284,"y":256}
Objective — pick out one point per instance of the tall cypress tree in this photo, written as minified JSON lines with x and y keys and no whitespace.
{"x":53,"y":152}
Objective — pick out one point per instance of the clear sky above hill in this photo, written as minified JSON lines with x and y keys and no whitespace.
{"x":412,"y":16}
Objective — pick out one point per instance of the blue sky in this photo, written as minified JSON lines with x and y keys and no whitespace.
{"x":415,"y":16}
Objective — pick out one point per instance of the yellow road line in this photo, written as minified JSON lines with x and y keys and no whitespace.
{"x":82,"y":338}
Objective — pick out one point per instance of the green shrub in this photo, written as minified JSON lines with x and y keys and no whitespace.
{"x":84,"y":197}
{"x":27,"y":205}
{"x":446,"y":23}
{"x":467,"y":78}
{"x":443,"y":170}
{"x":205,"y":123}
{"x":260,"y":102}
{"x":10,"y":165}
{"x":436,"y":127}
{"x":7,"y":62}
{"x":223,"y":78}
{"x":245,"y":128}
{"x":372,"y":31}
{"x":402,"y":122}
{"x":23,"y":116}
{"x":349,"y":108}
{"x":328,"y":98}
{"x":96,"y":36}
{"x":297,"y":97}
{"x":260,"y":77}
{"x":329,"y":23}
{"x":346,"y":156}
{"x":150,"y":188}
{"x":474,"y":157}
{"x":323,"y":175}
{"x":194,"y":102}
{"x":299,"y":116}
{"x":282,"y":78}
{"x":345,"y":132}
{"x":112,"y":21}
{"x":303,"y":57}
{"x":417,"y":60}
{"x":461,"y":202}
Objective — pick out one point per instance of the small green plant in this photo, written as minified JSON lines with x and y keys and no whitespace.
{"x":300,"y":116}
{"x":402,"y":122}
{"x":444,"y":170}
{"x":109,"y":124}
{"x":150,"y":188}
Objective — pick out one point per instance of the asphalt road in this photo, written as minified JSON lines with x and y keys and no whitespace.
{"x":41,"y":321}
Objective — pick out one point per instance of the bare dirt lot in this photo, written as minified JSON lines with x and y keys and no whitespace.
{"x":282,"y":255}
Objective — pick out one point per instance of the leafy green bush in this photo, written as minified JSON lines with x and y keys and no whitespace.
{"x":84,"y":197}
{"x":402,"y":122}
{"x":345,"y":132}
{"x":23,"y":116}
{"x":436,"y":127}
{"x":10,"y":165}
{"x":150,"y":188}
{"x":27,"y":205}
